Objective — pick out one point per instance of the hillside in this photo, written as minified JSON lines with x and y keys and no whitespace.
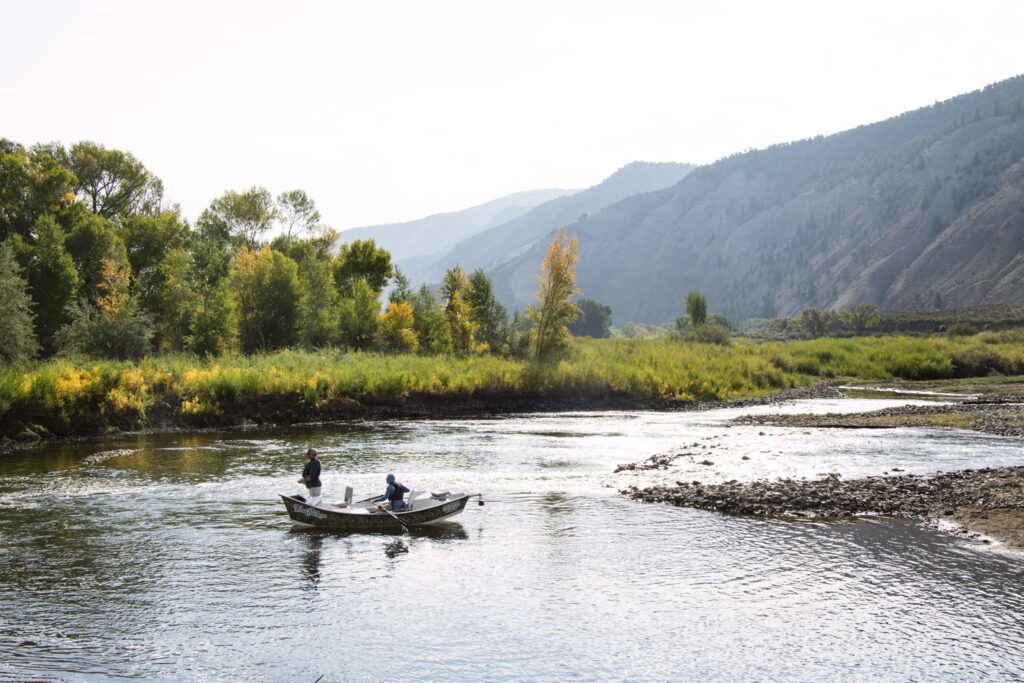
{"x":924,"y":209}
{"x":491,"y":247}
{"x":426,"y":236}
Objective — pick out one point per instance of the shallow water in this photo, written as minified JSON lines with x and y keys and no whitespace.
{"x":170,"y":557}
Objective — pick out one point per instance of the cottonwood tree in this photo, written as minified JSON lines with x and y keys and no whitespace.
{"x":696,"y":308}
{"x":456,"y":310}
{"x":298,"y":213}
{"x":241,"y":217}
{"x":266,"y":285}
{"x":554,"y":309}
{"x":112,"y":183}
{"x":595,"y":320}
{"x":362,"y":260}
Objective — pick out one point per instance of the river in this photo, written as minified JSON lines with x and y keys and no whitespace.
{"x":170,"y":557}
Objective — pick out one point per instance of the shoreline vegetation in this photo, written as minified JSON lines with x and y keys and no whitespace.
{"x":79,"y":397}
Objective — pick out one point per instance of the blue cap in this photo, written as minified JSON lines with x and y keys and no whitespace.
{"x":391,"y":479}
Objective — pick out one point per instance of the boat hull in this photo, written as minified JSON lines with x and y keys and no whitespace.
{"x":358,"y":520}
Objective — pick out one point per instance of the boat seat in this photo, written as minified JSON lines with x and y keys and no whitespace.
{"x":408,"y":503}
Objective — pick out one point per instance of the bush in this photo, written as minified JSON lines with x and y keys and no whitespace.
{"x":961,"y":330}
{"x":710,"y":333}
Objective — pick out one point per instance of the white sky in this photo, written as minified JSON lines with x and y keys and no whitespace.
{"x":387,"y":111}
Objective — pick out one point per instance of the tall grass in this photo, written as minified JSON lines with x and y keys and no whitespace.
{"x":73,"y":392}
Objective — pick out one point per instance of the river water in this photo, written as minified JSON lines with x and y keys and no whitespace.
{"x":170,"y":557}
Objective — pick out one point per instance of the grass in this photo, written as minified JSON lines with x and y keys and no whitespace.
{"x":71,"y":395}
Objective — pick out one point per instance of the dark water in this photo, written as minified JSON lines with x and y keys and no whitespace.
{"x":169,"y":557}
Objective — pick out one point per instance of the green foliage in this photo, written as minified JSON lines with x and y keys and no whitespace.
{"x":456,"y":310}
{"x":359,"y":317}
{"x":17,"y":333}
{"x":595,"y":320}
{"x":430,"y":324}
{"x":239,"y":218}
{"x":711,"y":333}
{"x":318,"y":305}
{"x":400,"y":290}
{"x":696,"y":308}
{"x":213,"y":329}
{"x":52,"y":280}
{"x":813,"y":322}
{"x":860,"y":318}
{"x":113,"y":184}
{"x":33,"y":184}
{"x":720,"y":320}
{"x":488,"y":317}
{"x":124,"y":334}
{"x":267,"y":288}
{"x":395,"y":332}
{"x":298,"y":213}
{"x":91,"y":240}
{"x":362,"y":260}
{"x":962,"y":329}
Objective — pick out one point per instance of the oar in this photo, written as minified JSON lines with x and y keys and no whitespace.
{"x":397,"y":518}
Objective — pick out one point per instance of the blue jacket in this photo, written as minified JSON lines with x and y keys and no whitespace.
{"x":394,"y":492}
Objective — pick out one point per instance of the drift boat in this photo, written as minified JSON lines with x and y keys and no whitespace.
{"x":420,"y":510}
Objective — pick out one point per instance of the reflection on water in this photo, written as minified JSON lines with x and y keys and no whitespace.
{"x":170,"y":557}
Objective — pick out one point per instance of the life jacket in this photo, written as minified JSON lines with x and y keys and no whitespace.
{"x":398,"y":491}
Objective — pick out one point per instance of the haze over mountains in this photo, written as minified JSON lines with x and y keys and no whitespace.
{"x":484,"y":238}
{"x":922,"y":210}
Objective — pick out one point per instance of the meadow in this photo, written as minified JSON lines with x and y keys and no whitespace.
{"x":78,"y":395}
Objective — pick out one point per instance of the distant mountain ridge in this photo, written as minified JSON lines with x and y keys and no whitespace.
{"x":425,"y":236}
{"x":501,"y":242}
{"x":923,"y":209}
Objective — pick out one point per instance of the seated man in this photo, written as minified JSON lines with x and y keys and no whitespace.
{"x":393,"y":495}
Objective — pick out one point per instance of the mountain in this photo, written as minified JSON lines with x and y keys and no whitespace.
{"x":925,"y":209}
{"x":490,"y":247}
{"x":426,"y":236}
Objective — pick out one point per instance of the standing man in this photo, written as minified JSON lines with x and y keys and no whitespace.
{"x":311,"y":475}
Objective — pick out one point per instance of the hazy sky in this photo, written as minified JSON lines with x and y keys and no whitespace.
{"x":389,"y":111}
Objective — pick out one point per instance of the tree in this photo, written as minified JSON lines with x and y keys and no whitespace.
{"x":487,"y":315}
{"x":318,"y":305}
{"x":860,"y":318}
{"x":362,"y":260}
{"x":456,"y":311}
{"x":554,"y":308}
{"x":401,"y":291}
{"x":112,"y":183}
{"x":395,"y":332}
{"x":298,"y":213}
{"x":240,"y":217}
{"x":813,"y":323}
{"x":174,"y":302}
{"x":52,"y":280}
{"x":33,"y":184}
{"x":17,"y":333}
{"x":595,"y":320}
{"x":696,"y":308}
{"x":213,"y":329}
{"x":266,"y":285}
{"x":358,"y":315}
{"x":112,"y":328}
{"x":92,"y":240}
{"x":429,"y":323}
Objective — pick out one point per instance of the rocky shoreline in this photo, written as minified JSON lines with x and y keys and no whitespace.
{"x":986,"y":501}
{"x":975,"y":503}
